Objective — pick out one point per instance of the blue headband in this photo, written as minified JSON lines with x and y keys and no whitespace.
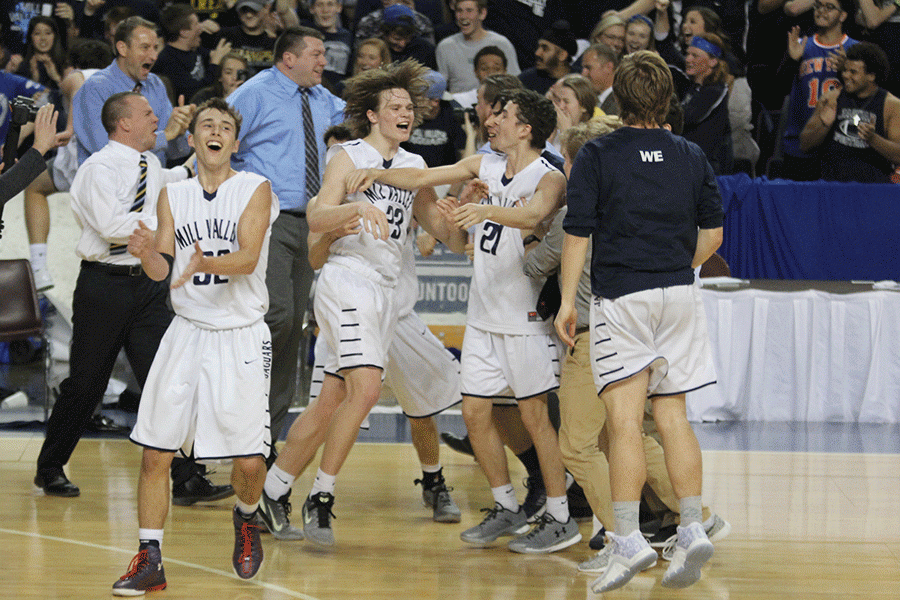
{"x":643,"y":18}
{"x":707,"y":46}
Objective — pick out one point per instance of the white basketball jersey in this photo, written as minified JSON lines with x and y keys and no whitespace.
{"x":407,"y":290}
{"x":217,"y":301}
{"x":502,"y":298}
{"x":362,"y":252}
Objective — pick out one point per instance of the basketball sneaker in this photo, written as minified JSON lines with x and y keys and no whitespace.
{"x":317,"y":517}
{"x":692,"y":550}
{"x":629,"y":555}
{"x":145,"y":574}
{"x":248,"y":551}
{"x":499,"y":521}
{"x":535,"y":498}
{"x":549,"y":535}
{"x":599,"y":562}
{"x":437,"y":497}
{"x":716,"y":529}
{"x":275,"y":516}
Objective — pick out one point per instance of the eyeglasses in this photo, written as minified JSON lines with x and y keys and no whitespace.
{"x":826,"y":7}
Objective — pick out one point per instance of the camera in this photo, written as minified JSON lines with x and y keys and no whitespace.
{"x":22,"y":110}
{"x":242,"y":75}
{"x":459,"y":111}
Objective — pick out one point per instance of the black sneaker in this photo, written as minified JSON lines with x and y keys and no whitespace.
{"x":248,"y":550}
{"x":199,"y":489}
{"x":317,"y":517}
{"x":658,"y":536}
{"x":458,"y":444}
{"x":536,"y":498}
{"x":599,"y":540}
{"x":275,"y":515}
{"x":145,"y":574}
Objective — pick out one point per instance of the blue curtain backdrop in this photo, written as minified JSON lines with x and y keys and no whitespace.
{"x":818,"y":230}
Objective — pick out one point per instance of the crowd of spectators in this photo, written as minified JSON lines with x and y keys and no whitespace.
{"x":748,"y":74}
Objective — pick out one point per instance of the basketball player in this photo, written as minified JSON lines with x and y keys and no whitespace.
{"x":210,"y":379}
{"x":502,"y":327}
{"x":649,"y":200}
{"x":421,"y":373}
{"x":355,"y":299}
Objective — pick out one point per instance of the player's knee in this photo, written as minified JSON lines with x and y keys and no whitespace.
{"x":476,"y":413}
{"x":154,"y":462}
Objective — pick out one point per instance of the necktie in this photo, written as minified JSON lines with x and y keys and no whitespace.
{"x":137,"y":87}
{"x":137,"y":205}
{"x":312,"y":147}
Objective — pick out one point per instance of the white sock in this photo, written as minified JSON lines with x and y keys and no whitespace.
{"x":558,"y":508}
{"x":597,"y":526}
{"x":626,"y":516}
{"x":431,"y":468}
{"x":278,"y":482}
{"x":38,"y":256}
{"x":151,"y":534}
{"x":505,"y":496}
{"x":246,"y":510}
{"x":323,"y":483}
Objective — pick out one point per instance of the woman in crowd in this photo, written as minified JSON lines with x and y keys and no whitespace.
{"x":706,"y":118}
{"x":370,"y":54}
{"x":639,"y":34}
{"x":575,"y":101}
{"x":232,"y":74}
{"x":45,"y":60}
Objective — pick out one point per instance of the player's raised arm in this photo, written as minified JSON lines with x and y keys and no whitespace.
{"x":548,"y":198}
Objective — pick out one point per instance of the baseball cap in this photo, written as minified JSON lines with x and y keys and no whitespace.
{"x":255,"y":5}
{"x":438,"y":85}
{"x":398,"y":14}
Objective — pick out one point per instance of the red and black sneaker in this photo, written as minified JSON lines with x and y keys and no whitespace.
{"x":248,"y":551}
{"x":145,"y":574}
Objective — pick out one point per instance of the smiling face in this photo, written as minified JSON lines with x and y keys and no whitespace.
{"x":252,"y":21}
{"x":138,"y":54}
{"x":395,"y":115}
{"x":368,"y":57}
{"x":214,"y":138}
{"x":637,"y":37}
{"x":856,"y":79}
{"x":325,"y":13}
{"x":693,"y":25}
{"x":614,"y":37}
{"x":469,"y":17}
{"x":487,"y":65}
{"x":698,"y":64}
{"x":508,"y":129}
{"x":42,"y":38}
{"x":308,"y":64}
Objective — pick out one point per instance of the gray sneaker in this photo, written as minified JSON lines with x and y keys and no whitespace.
{"x":317,"y":519}
{"x":599,"y":562}
{"x":438,"y":498}
{"x":716,"y":529}
{"x":275,"y":516}
{"x":549,"y":535}
{"x":499,"y":521}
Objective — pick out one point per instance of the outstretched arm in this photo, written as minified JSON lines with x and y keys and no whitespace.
{"x":319,"y":244}
{"x":433,"y":220}
{"x":251,"y":233}
{"x":413,"y":179}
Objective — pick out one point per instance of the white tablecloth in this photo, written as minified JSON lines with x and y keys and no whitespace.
{"x":802,"y":356}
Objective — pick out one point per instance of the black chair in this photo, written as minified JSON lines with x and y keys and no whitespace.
{"x":20,"y":315}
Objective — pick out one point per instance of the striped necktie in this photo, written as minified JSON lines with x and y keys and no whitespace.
{"x":312,"y":147}
{"x":137,"y":205}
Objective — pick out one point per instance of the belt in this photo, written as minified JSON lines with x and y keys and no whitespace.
{"x":580,"y":330}
{"x":300,"y":214}
{"x":122,"y":270}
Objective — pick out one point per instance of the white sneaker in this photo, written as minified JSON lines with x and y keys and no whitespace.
{"x":629,"y":556}
{"x":692,"y":550}
{"x":598,"y":562}
{"x":716,"y":528}
{"x":42,"y":279}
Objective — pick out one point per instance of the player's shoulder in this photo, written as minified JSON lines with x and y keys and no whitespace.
{"x":408,"y":159}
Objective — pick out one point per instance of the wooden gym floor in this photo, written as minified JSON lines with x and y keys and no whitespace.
{"x":805,"y":525}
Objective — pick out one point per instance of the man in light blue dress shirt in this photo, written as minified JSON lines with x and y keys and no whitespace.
{"x":136,"y":43}
{"x":273,"y":143}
